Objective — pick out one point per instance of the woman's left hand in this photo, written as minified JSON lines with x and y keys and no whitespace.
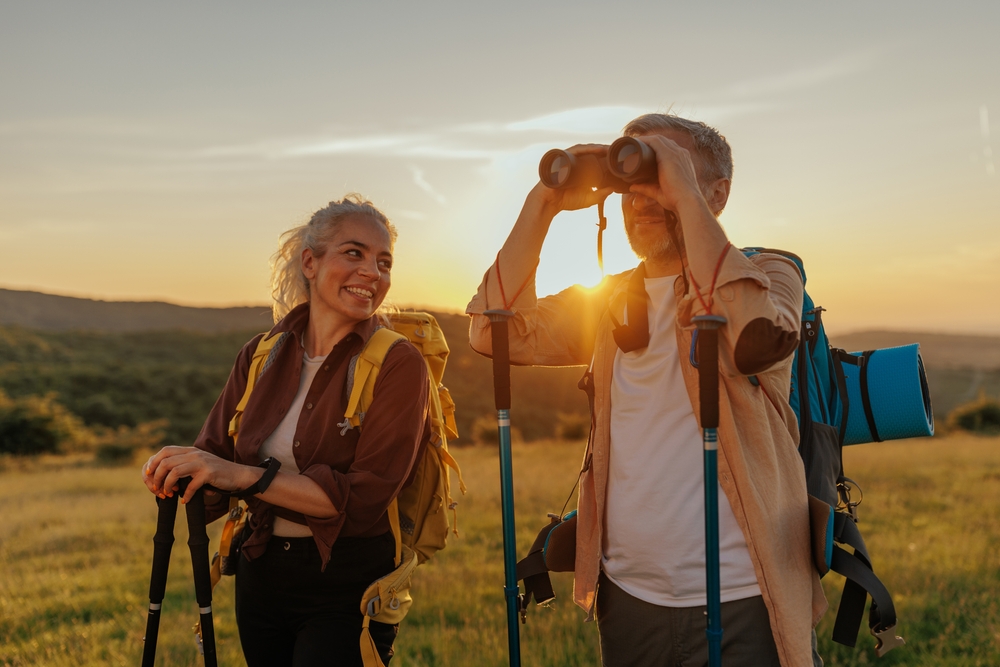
{"x":167,"y":467}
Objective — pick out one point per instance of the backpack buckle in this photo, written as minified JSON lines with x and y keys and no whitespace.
{"x":844,"y":489}
{"x":886,"y":640}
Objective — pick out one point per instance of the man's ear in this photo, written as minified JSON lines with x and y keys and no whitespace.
{"x":717,"y":195}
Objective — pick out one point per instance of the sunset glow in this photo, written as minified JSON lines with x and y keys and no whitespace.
{"x":158,"y":152}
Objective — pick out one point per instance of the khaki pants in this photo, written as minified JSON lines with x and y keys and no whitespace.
{"x":635,"y":633}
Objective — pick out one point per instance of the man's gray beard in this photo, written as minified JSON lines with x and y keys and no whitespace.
{"x":656,"y":249}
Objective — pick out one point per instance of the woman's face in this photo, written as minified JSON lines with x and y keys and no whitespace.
{"x":351,"y":279}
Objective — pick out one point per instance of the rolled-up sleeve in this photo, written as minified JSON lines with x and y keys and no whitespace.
{"x":557,"y":330}
{"x":761,"y":298}
{"x":214,"y":435}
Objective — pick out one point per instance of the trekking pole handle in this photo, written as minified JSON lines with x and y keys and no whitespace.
{"x":501,"y":356}
{"x":198,"y":542}
{"x":708,"y":367}
{"x":163,"y":541}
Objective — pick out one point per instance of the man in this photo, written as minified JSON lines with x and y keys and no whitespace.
{"x":640,"y":559}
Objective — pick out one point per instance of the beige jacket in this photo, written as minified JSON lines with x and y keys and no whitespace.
{"x":760,"y":470}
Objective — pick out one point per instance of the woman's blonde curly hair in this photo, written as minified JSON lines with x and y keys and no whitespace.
{"x":289,"y":286}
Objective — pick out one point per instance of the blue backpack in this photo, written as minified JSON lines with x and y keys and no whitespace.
{"x":840,"y":399}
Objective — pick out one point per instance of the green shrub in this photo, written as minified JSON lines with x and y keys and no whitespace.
{"x":979,"y":416}
{"x":38,"y":425}
{"x":119,"y":446}
{"x":572,"y":426}
{"x":484,"y":431}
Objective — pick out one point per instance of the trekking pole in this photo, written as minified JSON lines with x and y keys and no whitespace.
{"x":501,"y":393}
{"x":198,"y":545}
{"x":163,"y":542}
{"x":708,"y":383}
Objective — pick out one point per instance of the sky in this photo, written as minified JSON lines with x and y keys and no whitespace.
{"x":156,"y":151}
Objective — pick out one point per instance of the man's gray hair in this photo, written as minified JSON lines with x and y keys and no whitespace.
{"x":713,"y":149}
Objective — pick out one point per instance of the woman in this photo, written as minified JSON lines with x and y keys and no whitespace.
{"x":320,"y":532}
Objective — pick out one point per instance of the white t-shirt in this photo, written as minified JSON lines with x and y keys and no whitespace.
{"x":654,"y":540}
{"x":280,"y":444}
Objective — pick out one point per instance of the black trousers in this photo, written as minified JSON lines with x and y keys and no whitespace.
{"x":292,"y":614}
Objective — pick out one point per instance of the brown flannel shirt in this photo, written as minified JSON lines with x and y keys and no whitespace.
{"x":360,"y":471}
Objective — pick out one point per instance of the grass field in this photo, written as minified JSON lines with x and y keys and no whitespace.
{"x":75,"y":544}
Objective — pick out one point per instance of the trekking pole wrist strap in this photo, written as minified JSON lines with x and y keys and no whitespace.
{"x":271,"y":466}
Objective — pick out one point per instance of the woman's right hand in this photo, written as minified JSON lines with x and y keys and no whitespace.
{"x":162,"y":472}
{"x":554,"y":200}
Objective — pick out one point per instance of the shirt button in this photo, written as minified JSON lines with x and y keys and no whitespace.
{"x":309,"y":406}
{"x":297,"y":443}
{"x":326,"y":368}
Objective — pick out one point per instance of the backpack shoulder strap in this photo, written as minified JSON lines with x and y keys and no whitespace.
{"x":258,"y":364}
{"x":366,"y":369}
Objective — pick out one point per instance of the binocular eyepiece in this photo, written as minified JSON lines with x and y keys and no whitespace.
{"x":628,"y":161}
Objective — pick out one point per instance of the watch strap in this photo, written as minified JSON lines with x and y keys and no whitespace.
{"x":271,"y":466}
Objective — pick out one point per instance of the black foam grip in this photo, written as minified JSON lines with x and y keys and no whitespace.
{"x":501,"y":364}
{"x":198,"y":544}
{"x":163,"y":542}
{"x":708,"y":376}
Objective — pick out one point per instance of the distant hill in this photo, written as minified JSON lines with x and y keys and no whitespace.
{"x":119,"y":363}
{"x":48,"y":312}
{"x":124,"y":363}
{"x":937,"y":350}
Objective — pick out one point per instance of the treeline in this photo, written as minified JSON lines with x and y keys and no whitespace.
{"x":120,"y":381}
{"x":123,"y":389}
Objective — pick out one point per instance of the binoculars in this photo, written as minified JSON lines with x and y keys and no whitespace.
{"x":628,"y":161}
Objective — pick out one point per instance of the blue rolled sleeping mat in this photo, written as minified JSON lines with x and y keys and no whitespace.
{"x":887,"y":394}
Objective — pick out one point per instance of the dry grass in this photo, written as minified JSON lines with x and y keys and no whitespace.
{"x":75,"y":543}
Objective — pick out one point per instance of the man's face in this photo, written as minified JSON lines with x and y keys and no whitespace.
{"x":645,"y":220}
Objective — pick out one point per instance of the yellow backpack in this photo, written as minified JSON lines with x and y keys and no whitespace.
{"x":418,"y":517}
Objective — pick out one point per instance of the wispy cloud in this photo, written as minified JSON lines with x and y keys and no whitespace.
{"x":421,"y":182}
{"x":386,"y":143}
{"x":467,"y":142}
{"x":586,"y":120}
{"x":805,"y":77}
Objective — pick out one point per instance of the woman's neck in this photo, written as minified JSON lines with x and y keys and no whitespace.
{"x":323,"y":331}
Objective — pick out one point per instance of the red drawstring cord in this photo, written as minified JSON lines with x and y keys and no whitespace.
{"x":697,"y":289}
{"x":507,"y":304}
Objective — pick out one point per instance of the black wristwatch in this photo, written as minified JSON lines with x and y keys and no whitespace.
{"x":271,"y":466}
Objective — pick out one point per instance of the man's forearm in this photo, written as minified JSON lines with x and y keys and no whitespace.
{"x":704,"y":238}
{"x":520,"y":252}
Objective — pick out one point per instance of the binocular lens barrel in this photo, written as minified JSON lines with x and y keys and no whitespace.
{"x":628,"y":161}
{"x":556,"y":167}
{"x":632,"y":160}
